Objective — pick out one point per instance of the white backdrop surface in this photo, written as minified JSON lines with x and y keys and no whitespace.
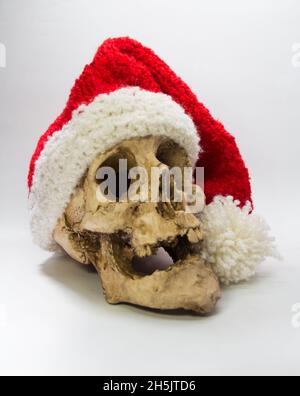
{"x":242,"y":60}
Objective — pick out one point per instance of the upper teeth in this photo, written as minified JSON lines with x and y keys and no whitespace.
{"x":143,"y":251}
{"x":194,"y":236}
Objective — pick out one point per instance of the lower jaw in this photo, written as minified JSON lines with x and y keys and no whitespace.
{"x":188,"y":284}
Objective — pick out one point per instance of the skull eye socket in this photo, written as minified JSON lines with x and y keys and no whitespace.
{"x":172,"y":155}
{"x":113,"y":175}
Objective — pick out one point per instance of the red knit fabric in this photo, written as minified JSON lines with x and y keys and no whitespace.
{"x":123,"y":62}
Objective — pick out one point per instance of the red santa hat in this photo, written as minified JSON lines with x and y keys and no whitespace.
{"x":126,"y":92}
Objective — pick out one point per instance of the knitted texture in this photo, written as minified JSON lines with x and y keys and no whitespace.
{"x":108,"y":120}
{"x":123,"y":62}
{"x":128,"y":92}
{"x":235,"y":241}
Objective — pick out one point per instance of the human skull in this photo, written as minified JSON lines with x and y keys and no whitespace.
{"x":116,"y":237}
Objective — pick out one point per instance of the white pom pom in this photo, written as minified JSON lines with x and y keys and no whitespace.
{"x":235,"y":241}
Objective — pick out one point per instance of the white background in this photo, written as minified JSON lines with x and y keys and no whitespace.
{"x":237,"y":57}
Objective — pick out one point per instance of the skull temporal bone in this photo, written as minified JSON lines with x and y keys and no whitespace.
{"x":110,"y":235}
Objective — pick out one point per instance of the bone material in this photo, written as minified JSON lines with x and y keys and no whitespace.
{"x":111,"y":234}
{"x":189,"y":284}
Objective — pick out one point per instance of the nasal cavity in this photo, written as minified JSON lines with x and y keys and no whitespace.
{"x":147,"y":265}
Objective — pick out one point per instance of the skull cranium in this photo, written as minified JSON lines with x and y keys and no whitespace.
{"x":114,"y":235}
